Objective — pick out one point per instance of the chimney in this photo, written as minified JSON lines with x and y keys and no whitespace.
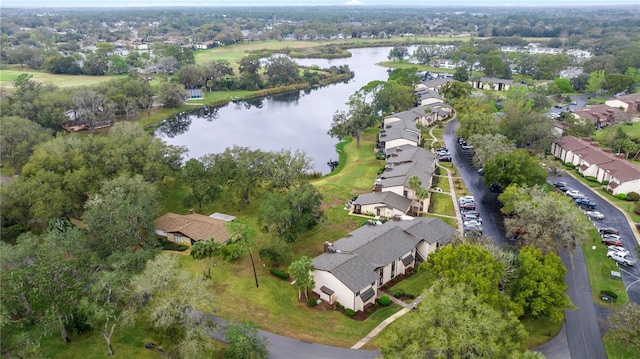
{"x":607,"y":150}
{"x":620,"y":155}
{"x":595,"y":144}
{"x":377,"y":187}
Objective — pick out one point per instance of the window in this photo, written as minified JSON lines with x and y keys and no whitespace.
{"x":393,"y":269}
{"x":179,"y":239}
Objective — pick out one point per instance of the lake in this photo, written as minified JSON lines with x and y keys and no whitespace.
{"x":298,"y":120}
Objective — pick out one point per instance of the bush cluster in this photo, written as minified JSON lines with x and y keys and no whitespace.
{"x":312,"y":302}
{"x":384,"y":300}
{"x":622,"y":196}
{"x":605,"y":182}
{"x":278,"y":273}
{"x":350,"y":313}
{"x":633,"y":197}
{"x":591,"y":178}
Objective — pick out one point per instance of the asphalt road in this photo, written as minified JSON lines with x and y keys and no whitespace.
{"x":486,"y":201}
{"x":613,"y":218}
{"x":580,"y":337}
{"x":280,"y":347}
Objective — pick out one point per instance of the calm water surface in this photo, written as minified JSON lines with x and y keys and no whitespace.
{"x":293,"y":121}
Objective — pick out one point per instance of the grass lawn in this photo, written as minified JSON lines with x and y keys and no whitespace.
{"x":442,"y":203}
{"x":8,"y":75}
{"x":414,"y":285}
{"x":617,"y":350}
{"x":450,"y":221}
{"x":443,"y":183}
{"x":540,"y":330}
{"x":605,"y":135}
{"x":599,"y":268}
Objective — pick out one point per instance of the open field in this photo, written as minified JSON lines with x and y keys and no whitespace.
{"x":8,"y":75}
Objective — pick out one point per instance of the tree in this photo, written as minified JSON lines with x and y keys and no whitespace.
{"x":244,"y":342}
{"x":394,"y":97}
{"x":493,"y":65}
{"x":170,"y":296}
{"x":93,"y":109}
{"x":539,"y":286}
{"x":477,"y":123}
{"x":624,"y":325}
{"x":461,"y":74}
{"x":206,"y":249}
{"x":171,"y":94}
{"x":487,"y":146}
{"x":455,"y":90}
{"x":548,"y":66}
{"x":292,"y":212}
{"x":564,"y":85}
{"x":406,"y":77}
{"x":615,"y":83}
{"x":453,"y":322}
{"x":301,"y":271}
{"x":511,"y":197}
{"x":596,"y":80}
{"x":398,"y":53}
{"x":424,"y":54}
{"x":242,"y":238}
{"x":122,"y":214}
{"x":281,"y":71}
{"x":243,"y":170}
{"x":18,"y":138}
{"x":516,"y":167}
{"x":468,"y":264}
{"x":352,"y":123}
{"x":547,"y":221}
{"x":419,"y":193}
{"x":199,"y":176}
{"x":286,"y":169}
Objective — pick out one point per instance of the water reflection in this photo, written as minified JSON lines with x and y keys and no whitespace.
{"x":297,"y":120}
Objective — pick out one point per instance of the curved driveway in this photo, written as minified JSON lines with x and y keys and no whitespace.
{"x":580,"y":337}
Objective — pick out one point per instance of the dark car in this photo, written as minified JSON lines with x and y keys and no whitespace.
{"x":496,"y":188}
{"x":445,"y":159}
{"x":586,"y":203}
{"x":559,"y":184}
{"x":608,"y":230}
{"x":468,"y":205}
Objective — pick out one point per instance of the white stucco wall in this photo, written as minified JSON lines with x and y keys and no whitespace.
{"x":399,"y":190}
{"x":343,"y":294}
{"x":398,"y":142}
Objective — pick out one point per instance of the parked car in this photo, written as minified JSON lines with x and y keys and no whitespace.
{"x":586,"y":203}
{"x":623,"y":251}
{"x":481,"y":171}
{"x":472,"y":223}
{"x":574,"y":193}
{"x":467,"y":147}
{"x":616,"y":256}
{"x":608,"y":230}
{"x":594,"y":214}
{"x":445,"y":158}
{"x":468,"y":205}
{"x":565,"y":189}
{"x":612,"y":242}
{"x":471,"y":217}
{"x":558,"y":184}
{"x":496,"y":188}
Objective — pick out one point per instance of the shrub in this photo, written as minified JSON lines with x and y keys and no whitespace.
{"x":622,"y":196}
{"x":384,"y":300}
{"x":591,"y":178}
{"x":312,"y":302}
{"x":605,"y":182}
{"x":633,"y":196}
{"x":278,"y":273}
{"x":636,"y":210}
{"x":339,"y":306}
{"x":570,"y":166}
{"x":350,"y":313}
{"x":368,"y":311}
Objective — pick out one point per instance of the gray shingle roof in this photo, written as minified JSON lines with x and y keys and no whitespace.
{"x":390,"y":199}
{"x":370,"y":247}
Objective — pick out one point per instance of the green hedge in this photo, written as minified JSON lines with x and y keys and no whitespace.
{"x":384,"y":300}
{"x":278,"y":273}
{"x":633,"y":196}
{"x":591,"y":178}
{"x":622,"y":196}
{"x":605,"y":182}
{"x":312,"y":302}
{"x":350,"y":313}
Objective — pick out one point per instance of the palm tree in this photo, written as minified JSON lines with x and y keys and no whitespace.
{"x":205,"y":249}
{"x":419,"y":193}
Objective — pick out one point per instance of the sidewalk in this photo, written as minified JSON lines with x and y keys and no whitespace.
{"x":406,"y":308}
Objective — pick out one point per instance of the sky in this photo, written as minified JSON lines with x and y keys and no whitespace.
{"x":433,"y":3}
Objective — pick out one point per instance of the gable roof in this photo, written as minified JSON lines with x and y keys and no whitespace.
{"x":196,"y":226}
{"x":367,"y":248}
{"x":390,"y":199}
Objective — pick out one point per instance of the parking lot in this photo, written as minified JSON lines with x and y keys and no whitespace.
{"x":615,"y":219}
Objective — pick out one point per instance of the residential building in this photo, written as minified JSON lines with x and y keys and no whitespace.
{"x":620,"y":175}
{"x":193,"y":227}
{"x":352,"y":269}
{"x":600,"y":115}
{"x":628,"y":103}
{"x":491,"y":83}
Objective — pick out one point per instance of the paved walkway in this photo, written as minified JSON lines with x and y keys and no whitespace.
{"x":406,"y":308}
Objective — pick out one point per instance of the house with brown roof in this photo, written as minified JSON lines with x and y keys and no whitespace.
{"x":193,"y":227}
{"x":621,"y":175}
{"x":600,"y":115}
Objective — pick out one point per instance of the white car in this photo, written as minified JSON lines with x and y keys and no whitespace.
{"x":626,"y":260}
{"x":594,"y":214}
{"x":574,"y":193}
{"x":621,"y":250}
{"x":472,"y":223}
